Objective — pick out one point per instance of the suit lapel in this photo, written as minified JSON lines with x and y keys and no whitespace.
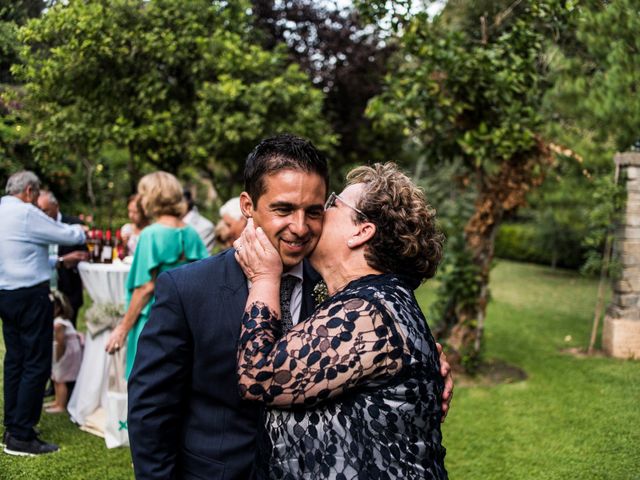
{"x":311,"y":278}
{"x":234,"y":294}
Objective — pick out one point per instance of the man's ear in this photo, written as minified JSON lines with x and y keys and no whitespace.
{"x":246,"y":205}
{"x":31,"y":195}
{"x":365,"y":232}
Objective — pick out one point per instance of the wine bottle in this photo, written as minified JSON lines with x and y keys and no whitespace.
{"x":107,"y":248}
{"x":90,"y":244}
{"x":97,"y":246}
{"x":121,"y":248}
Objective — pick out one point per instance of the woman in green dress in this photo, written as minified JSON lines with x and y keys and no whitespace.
{"x":166,"y":244}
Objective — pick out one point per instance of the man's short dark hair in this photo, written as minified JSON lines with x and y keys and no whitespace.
{"x":282,"y":152}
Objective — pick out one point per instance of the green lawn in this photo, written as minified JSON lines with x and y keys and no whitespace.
{"x":82,"y":456}
{"x":574,"y":418}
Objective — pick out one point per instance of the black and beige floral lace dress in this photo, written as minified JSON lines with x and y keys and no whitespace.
{"x":353,"y":392}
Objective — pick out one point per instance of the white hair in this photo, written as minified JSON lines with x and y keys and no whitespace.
{"x":19,"y":181}
{"x":232,"y":208}
{"x":50,"y":196}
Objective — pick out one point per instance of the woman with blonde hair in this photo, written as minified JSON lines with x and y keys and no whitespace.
{"x":354,"y":390}
{"x":166,"y":244}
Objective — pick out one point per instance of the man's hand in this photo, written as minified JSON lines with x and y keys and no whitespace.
{"x":445,"y":371}
{"x":70,"y":260}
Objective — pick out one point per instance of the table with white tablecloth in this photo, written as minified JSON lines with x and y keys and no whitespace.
{"x":105,"y":284}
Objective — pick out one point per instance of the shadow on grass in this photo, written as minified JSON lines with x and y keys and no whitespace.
{"x":490,"y":373}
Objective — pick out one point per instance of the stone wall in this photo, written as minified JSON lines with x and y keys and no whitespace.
{"x":621,"y":331}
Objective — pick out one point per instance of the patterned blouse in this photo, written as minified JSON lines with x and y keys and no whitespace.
{"x":355,"y":389}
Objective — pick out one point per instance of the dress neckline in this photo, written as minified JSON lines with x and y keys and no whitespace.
{"x":170,"y":228}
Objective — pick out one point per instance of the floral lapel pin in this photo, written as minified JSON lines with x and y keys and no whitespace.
{"x":320,"y":292}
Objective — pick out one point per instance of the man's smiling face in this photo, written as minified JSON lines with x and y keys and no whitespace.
{"x":290,"y":211}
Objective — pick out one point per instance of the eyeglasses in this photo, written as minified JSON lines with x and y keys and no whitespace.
{"x":331,"y":201}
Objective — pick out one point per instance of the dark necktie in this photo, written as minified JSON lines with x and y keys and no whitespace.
{"x":287,"y":284}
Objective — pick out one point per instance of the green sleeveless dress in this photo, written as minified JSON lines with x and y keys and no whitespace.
{"x":160,"y":248}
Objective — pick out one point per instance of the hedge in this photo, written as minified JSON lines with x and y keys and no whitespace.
{"x":522,"y":242}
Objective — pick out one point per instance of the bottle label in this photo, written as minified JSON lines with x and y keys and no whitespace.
{"x":107,"y":253}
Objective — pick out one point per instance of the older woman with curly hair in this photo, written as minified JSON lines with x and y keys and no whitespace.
{"x":354,"y":390}
{"x":166,"y":244}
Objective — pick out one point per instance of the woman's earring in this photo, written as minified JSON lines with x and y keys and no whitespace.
{"x":349,"y":242}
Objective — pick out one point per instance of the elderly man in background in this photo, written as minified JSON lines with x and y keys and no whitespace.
{"x":67,"y":258}
{"x":201,"y":225}
{"x":26,"y":309}
{"x":233,"y":219}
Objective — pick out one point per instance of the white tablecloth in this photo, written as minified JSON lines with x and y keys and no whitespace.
{"x":105,"y":283}
{"x":90,"y":392}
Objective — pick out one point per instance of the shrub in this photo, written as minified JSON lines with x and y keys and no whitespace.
{"x":528,"y":242}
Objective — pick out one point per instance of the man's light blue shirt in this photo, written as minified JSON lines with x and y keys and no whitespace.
{"x":25,"y":235}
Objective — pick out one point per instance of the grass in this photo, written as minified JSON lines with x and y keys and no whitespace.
{"x":573,"y":418}
{"x":82,"y":456}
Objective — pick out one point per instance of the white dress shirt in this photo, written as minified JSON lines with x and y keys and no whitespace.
{"x":53,"y":259}
{"x":25,"y":235}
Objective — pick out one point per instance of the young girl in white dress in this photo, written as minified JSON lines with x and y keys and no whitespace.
{"x":67,"y":352}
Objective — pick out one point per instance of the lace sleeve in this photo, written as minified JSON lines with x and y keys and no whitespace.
{"x":346,"y":344}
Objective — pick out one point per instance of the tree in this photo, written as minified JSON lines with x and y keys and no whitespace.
{"x":596,"y":94}
{"x":593,"y":108}
{"x":475,"y":99}
{"x":170,"y":83}
{"x":12,"y":15}
{"x":346,"y":57}
{"x":561,"y":210}
{"x":15,"y":153}
{"x":597,"y":82}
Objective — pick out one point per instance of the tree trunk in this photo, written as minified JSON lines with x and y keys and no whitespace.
{"x":498,"y":194}
{"x":466,"y":336}
{"x":89,"y":168}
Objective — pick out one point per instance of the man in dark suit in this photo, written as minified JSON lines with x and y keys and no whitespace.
{"x":69,"y":281}
{"x":186,"y":419}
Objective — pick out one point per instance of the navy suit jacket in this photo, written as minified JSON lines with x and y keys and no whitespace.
{"x":186,"y":418}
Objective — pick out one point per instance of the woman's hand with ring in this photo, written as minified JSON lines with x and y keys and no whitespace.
{"x":116,"y":340}
{"x":256,"y":255}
